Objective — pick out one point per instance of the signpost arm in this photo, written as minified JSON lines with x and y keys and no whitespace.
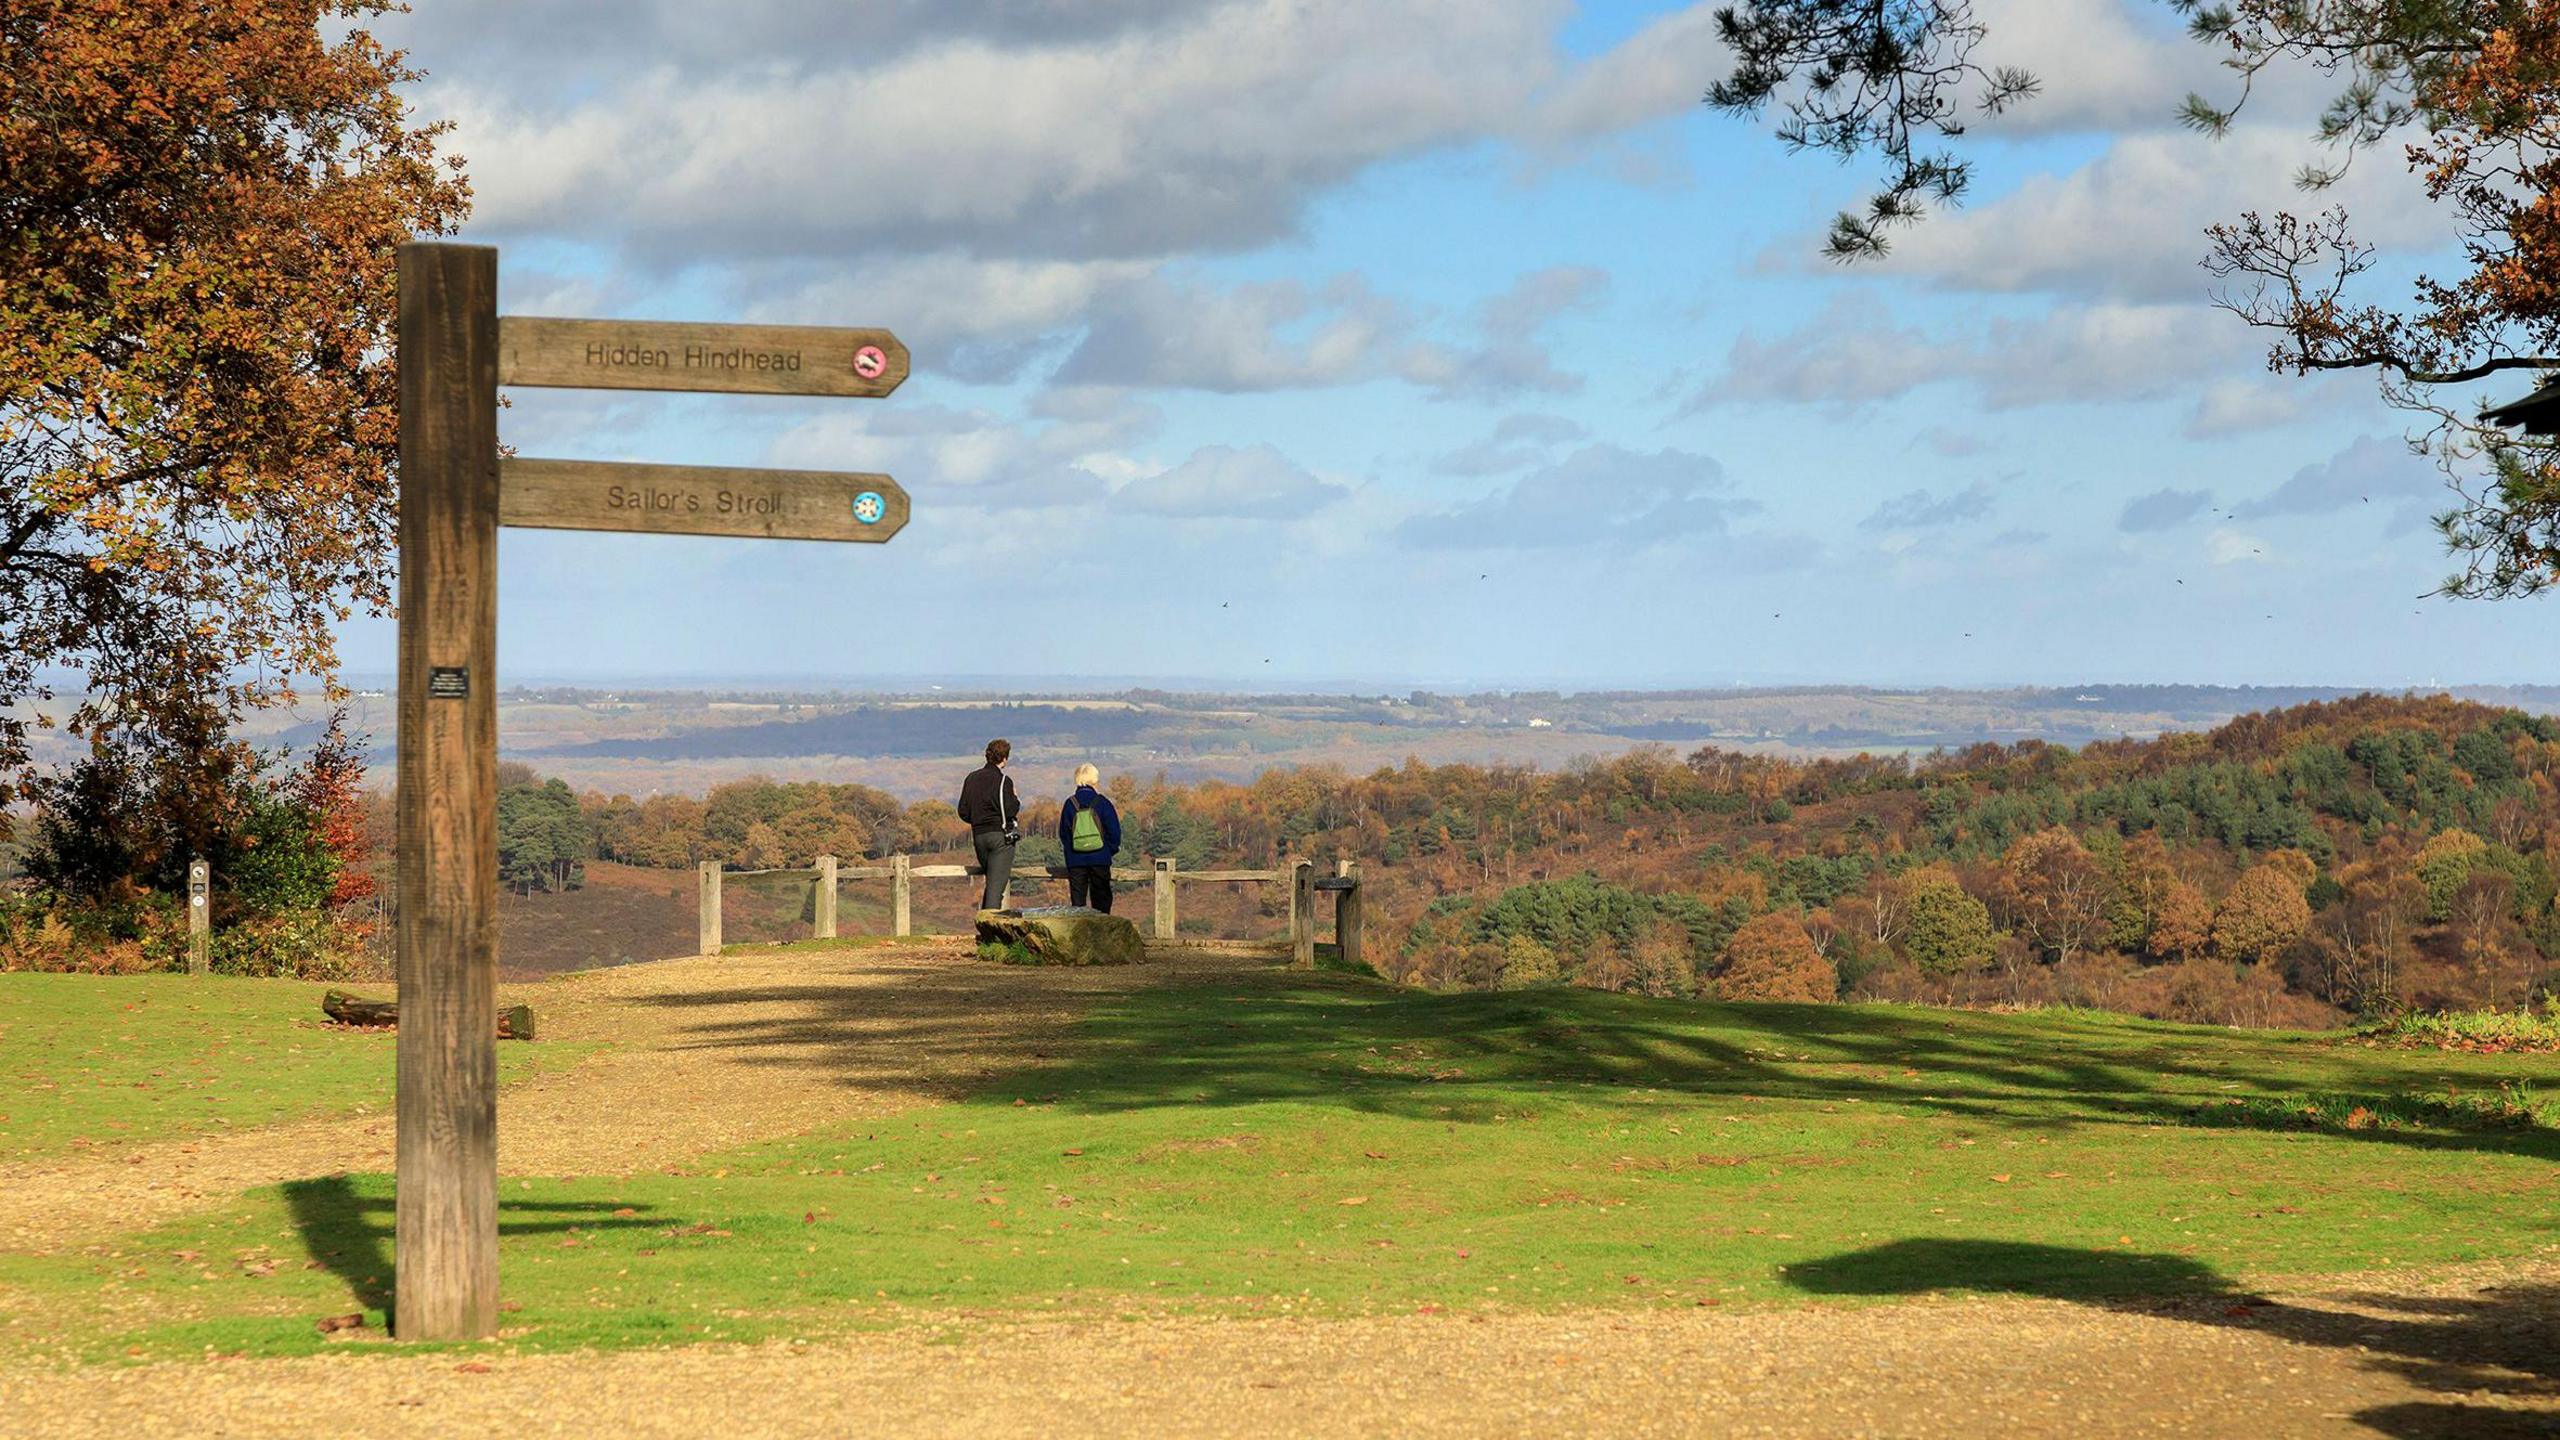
{"x":445,"y":1214}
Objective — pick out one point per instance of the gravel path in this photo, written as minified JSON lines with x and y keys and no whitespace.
{"x":2474,"y":1355}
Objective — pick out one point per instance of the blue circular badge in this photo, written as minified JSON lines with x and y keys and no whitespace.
{"x":869,"y":508}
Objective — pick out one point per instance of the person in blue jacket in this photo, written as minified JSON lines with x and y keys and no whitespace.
{"x":1089,"y":831}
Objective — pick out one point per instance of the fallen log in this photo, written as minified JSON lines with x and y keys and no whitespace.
{"x":514,"y":1023}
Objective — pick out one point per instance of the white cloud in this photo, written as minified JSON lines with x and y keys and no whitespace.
{"x":977,"y":320}
{"x":1283,"y":334}
{"x":2131,"y":224}
{"x":965,"y":458}
{"x":2163,"y":509}
{"x":1221,"y":482}
{"x":2237,"y":405}
{"x":2104,"y":65}
{"x":1267,"y":336}
{"x":2125,"y":65}
{"x":1664,"y":69}
{"x":1922,"y":509}
{"x":1022,"y":131}
{"x":2231,"y":547}
{"x":1854,"y":356}
{"x":2370,"y":471}
{"x":1600,"y":494}
{"x":1517,"y":442}
{"x":1513,"y":355}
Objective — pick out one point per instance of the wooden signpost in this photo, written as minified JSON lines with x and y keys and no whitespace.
{"x":455,"y":351}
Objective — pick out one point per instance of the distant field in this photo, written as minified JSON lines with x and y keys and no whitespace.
{"x":639,"y":742}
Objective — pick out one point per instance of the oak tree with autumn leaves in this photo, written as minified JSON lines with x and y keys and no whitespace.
{"x":2466,"y":93}
{"x":200,"y":205}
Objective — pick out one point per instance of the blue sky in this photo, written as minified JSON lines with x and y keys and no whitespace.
{"x":1433,"y":342}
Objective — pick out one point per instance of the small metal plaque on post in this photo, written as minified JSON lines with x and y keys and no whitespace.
{"x":448,"y":682}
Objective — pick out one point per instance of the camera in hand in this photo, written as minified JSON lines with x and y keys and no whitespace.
{"x":1013,"y":835}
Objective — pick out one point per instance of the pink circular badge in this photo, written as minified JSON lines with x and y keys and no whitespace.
{"x":870,"y":361}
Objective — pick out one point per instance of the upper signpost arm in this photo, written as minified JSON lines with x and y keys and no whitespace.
{"x":535,"y":350}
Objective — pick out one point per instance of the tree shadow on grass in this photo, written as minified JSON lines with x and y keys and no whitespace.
{"x":350,"y":1232}
{"x":2503,"y":1341}
{"x":1246,"y":1037}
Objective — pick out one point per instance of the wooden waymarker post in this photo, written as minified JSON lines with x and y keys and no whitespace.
{"x":454,"y":352}
{"x":199,"y":917}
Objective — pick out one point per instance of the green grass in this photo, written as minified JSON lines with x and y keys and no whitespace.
{"x":1316,"y":1144}
{"x":91,"y":1061}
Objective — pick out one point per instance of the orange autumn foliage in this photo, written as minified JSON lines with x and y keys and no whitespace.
{"x":201,"y":204}
{"x":1771,"y":958}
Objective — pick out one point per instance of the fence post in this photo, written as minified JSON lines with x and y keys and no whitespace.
{"x":1164,"y":897}
{"x":1346,"y":915}
{"x":199,"y":917}
{"x":1302,"y":915}
{"x":826,"y":906}
{"x":710,"y":871}
{"x":898,"y":865}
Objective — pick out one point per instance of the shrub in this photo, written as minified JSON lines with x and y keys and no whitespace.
{"x":2262,"y":915}
{"x":2481,"y":1031}
{"x":1947,"y":931}
{"x":1771,"y":958}
{"x":308,"y":944}
{"x":1526,"y":963}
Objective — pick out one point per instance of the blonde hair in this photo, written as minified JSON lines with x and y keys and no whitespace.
{"x":1087,"y":775}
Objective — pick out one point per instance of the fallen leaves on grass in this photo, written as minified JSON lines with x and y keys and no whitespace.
{"x":332,"y":1324}
{"x":1353,"y":1200}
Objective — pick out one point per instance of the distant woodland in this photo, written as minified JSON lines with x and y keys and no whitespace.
{"x":2360,"y":857}
{"x":2351,"y":858}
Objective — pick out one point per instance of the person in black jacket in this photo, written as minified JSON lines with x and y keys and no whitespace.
{"x":1089,"y":834}
{"x":993,"y":813}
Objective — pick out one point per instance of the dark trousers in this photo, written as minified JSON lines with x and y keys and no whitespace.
{"x":995,"y":856}
{"x":1090,"y":885}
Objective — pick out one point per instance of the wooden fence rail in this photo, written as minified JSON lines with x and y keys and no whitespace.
{"x":1166,"y":872}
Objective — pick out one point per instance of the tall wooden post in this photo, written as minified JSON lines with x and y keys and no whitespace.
{"x":445,"y":1215}
{"x":1302,"y":915}
{"x":709,"y":873}
{"x":1164,"y":897}
{"x":898,"y":893}
{"x":1346,"y":915}
{"x":826,"y":906}
{"x":199,"y":917}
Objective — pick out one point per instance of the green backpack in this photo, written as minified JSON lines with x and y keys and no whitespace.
{"x":1087,"y":835}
